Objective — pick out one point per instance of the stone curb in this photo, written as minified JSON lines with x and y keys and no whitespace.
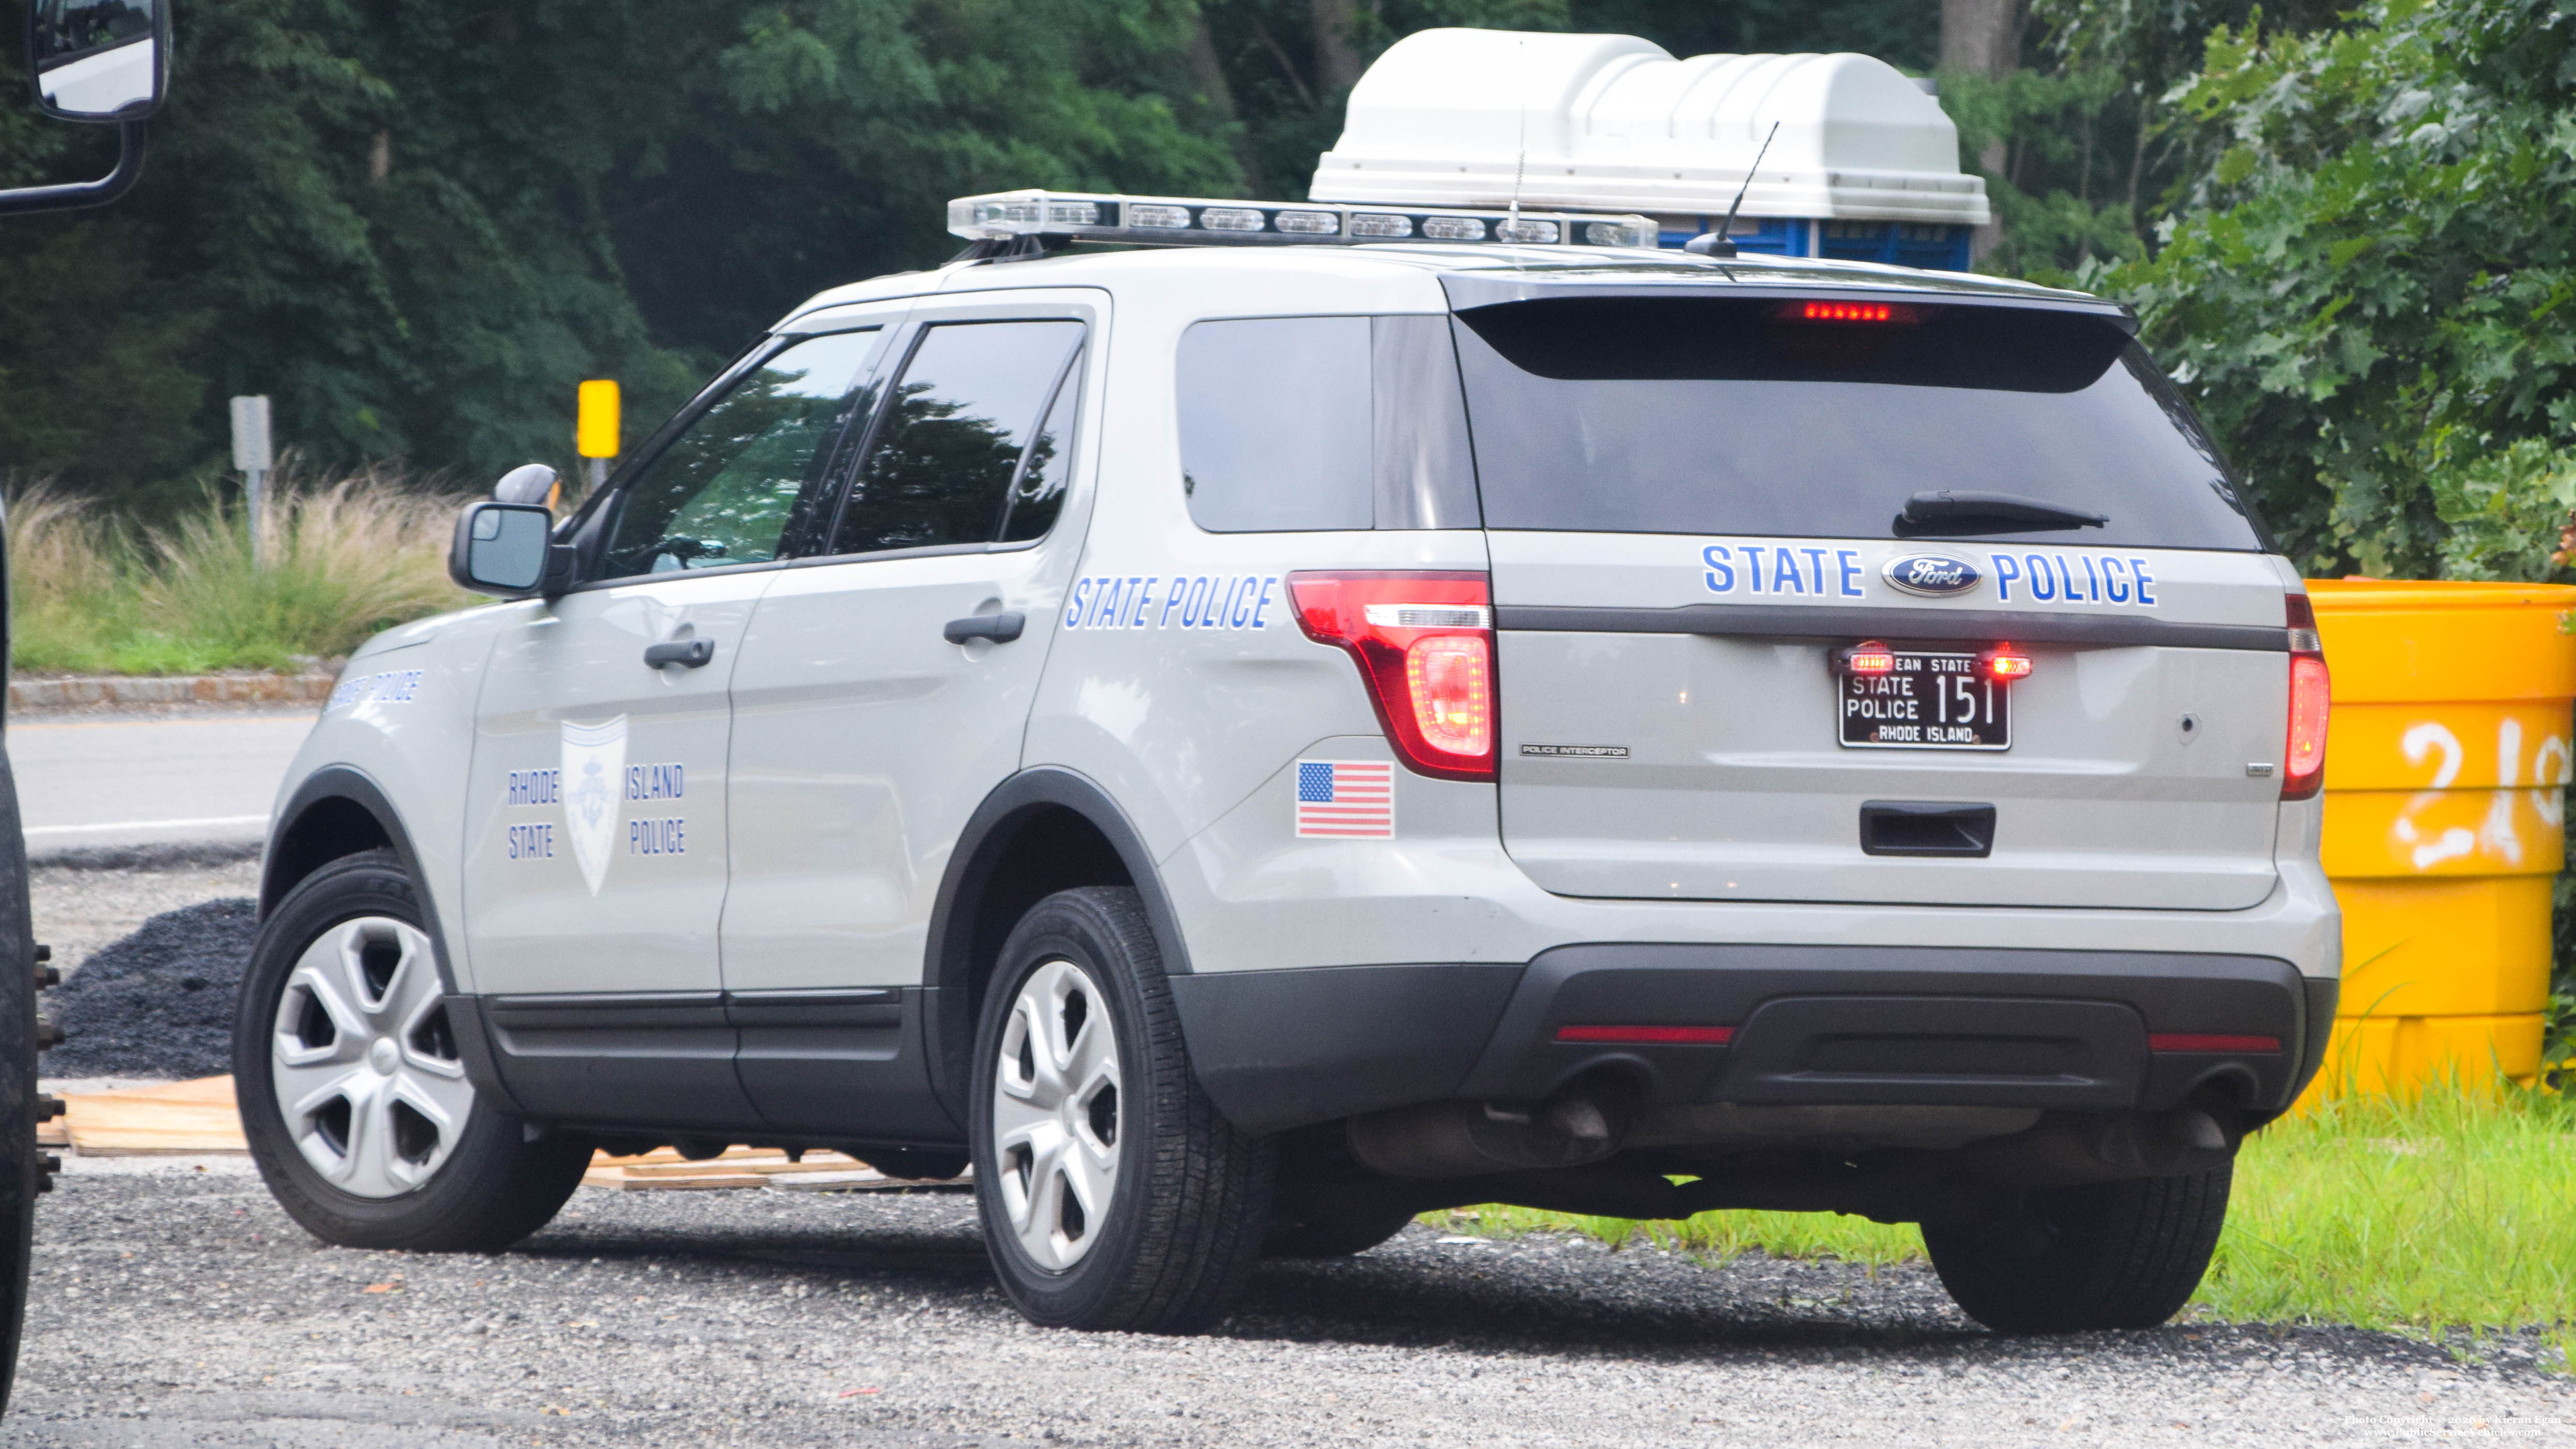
{"x":165,"y":855}
{"x":44,"y":695}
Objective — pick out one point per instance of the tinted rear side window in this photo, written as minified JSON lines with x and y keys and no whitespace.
{"x":1299,"y":424}
{"x":1690,"y":415}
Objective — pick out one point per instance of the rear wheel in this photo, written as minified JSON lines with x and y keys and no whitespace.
{"x":2102,"y":1255}
{"x":1113,"y":1194}
{"x":352,"y":1091}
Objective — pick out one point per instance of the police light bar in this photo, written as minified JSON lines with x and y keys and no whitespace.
{"x":1175,"y":221}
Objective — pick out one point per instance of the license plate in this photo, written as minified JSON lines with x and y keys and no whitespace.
{"x":1928,"y":702}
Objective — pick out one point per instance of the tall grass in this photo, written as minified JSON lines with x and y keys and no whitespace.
{"x":345,"y":557}
{"x":2453,"y":1210}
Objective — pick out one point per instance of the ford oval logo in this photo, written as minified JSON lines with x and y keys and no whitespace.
{"x":1932,"y":574}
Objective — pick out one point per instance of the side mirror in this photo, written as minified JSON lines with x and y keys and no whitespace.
{"x":501,"y":548}
{"x":99,"y":60}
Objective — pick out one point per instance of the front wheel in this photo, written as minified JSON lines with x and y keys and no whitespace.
{"x":1112,"y":1192}
{"x":352,"y":1092}
{"x":2103,"y":1255}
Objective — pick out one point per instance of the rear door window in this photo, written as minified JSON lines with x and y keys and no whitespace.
{"x":1759,"y":416}
{"x":972,"y":413}
{"x":1309,"y":424}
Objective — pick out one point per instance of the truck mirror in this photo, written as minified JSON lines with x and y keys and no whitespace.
{"x":99,"y":60}
{"x":500,"y":548}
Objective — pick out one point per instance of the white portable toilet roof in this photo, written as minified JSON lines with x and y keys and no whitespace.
{"x":1611,"y":122}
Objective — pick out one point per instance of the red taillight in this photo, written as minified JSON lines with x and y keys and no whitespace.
{"x":1650,"y":1035}
{"x":1870,"y":658}
{"x":2002,"y":663}
{"x":2193,"y":1041}
{"x":1425,"y":644}
{"x":2303,"y":763}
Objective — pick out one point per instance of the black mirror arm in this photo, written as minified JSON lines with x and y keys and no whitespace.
{"x":77,"y":194}
{"x":563,"y":562}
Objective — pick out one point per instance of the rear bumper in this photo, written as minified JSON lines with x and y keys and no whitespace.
{"x":1806,"y":1025}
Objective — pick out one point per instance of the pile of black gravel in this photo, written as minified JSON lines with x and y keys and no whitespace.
{"x":160,"y":1002}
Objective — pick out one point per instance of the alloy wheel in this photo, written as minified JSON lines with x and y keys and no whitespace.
{"x":1056,"y":1115}
{"x":364,"y":1061}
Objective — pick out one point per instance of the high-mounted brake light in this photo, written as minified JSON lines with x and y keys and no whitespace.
{"x":2303,"y":762}
{"x":1425,"y":645}
{"x":1824,"y":310}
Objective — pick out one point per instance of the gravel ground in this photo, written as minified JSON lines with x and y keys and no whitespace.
{"x":158,"y":1003}
{"x":180,"y":1308}
{"x":78,"y":911}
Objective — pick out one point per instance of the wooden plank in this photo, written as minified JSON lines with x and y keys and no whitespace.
{"x":774,"y":1166}
{"x":616,"y":1179}
{"x":177,"y":1118}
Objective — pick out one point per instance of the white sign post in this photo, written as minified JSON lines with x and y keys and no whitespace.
{"x":254,"y":457}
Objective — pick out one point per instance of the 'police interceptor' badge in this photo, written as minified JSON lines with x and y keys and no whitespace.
{"x":594,"y":774}
{"x":1931,"y":574}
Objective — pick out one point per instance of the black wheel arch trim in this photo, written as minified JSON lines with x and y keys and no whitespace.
{"x":948,"y":958}
{"x":348,"y":783}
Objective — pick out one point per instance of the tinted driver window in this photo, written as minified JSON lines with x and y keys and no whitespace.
{"x":957,"y":437}
{"x":723,"y":491}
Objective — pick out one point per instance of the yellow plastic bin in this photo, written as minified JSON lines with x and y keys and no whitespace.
{"x":2445,"y":761}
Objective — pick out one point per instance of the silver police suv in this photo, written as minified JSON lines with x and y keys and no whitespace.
{"x":1239,"y":742}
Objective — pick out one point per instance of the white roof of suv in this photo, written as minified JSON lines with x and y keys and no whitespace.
{"x":1399,"y":271}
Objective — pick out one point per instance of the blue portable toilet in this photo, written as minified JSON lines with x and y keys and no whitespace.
{"x":1863,"y":164}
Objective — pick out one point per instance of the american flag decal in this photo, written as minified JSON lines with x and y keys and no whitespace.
{"x":1353,"y":799}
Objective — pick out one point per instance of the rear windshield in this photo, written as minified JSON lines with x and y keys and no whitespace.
{"x":1727,"y":415}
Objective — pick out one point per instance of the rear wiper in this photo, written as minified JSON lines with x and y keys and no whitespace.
{"x":1956,"y":511}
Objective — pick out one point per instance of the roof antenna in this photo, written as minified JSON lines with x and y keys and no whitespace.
{"x":1520,"y":163}
{"x":1721,"y":242}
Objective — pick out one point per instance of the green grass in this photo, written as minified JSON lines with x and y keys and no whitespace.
{"x":2451,"y":1212}
{"x":92,"y":594}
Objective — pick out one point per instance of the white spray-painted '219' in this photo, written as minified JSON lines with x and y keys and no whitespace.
{"x":2551,"y":768}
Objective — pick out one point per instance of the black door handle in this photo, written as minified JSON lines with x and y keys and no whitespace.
{"x":1000,"y":628}
{"x":690,"y":652}
{"x":1921,"y":827}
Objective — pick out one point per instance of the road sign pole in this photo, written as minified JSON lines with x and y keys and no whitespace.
{"x":254,"y":456}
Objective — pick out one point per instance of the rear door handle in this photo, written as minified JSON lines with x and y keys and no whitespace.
{"x":1000,"y":628}
{"x":692,"y":653}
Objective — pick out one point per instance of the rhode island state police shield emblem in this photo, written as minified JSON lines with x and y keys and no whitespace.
{"x":594,"y":761}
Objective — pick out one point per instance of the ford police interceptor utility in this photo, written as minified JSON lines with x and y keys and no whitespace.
{"x":1243,"y":744}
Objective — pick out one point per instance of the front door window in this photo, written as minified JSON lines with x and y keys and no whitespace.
{"x":726,"y":491}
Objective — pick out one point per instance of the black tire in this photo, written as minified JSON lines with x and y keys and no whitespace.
{"x":494,"y":1187}
{"x":1314,"y":1223}
{"x":1190,"y":1195}
{"x":2103,"y":1255}
{"x":21,"y":1167}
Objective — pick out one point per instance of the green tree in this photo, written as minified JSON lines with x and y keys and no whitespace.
{"x":2365,"y":283}
{"x":418,"y":225}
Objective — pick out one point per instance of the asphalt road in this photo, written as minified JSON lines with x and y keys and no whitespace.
{"x":181,"y":1308}
{"x":110,"y":782}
